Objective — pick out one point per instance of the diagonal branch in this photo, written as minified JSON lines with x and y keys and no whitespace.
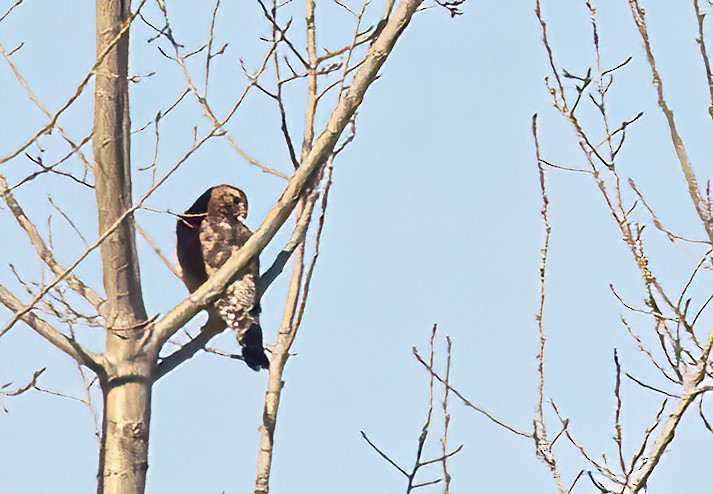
{"x":44,"y":329}
{"x":382,"y":454}
{"x":12,"y":7}
{"x":698,"y":202}
{"x":213,"y":327}
{"x":165,"y":327}
{"x":465,"y":400}
{"x":33,"y":97}
{"x":288,"y":328}
{"x":691,"y":386}
{"x":43,"y":251}
{"x":173,"y":269}
{"x":44,"y":291}
{"x":298,"y":235}
{"x":80,"y":88}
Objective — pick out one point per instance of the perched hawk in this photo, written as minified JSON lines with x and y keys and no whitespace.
{"x":207,"y":234}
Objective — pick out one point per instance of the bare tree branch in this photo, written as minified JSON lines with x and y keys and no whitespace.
{"x":12,"y":7}
{"x":542,"y":444}
{"x":701,"y":40}
{"x":44,"y":329}
{"x":323,"y":146}
{"x":80,"y":88}
{"x":466,"y":401}
{"x":419,"y":462}
{"x":76,"y":148}
{"x":213,"y":327}
{"x":639,"y":17}
{"x":692,"y":380}
{"x":43,"y":251}
{"x":173,"y":269}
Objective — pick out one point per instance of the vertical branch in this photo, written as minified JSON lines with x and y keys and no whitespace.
{"x":427,"y":424}
{"x":127,"y":389}
{"x":544,"y":447}
{"x":297,"y":321}
{"x":641,"y":475}
{"x":700,"y":17}
{"x":319,"y":151}
{"x":559,"y":104}
{"x":420,"y":462}
{"x":446,"y":419}
{"x":280,"y":354}
{"x":618,"y":436}
{"x":311,"y":80}
{"x":287,"y":332}
{"x":209,"y":52}
{"x":278,"y":94}
{"x":639,"y":17}
{"x":111,"y":146}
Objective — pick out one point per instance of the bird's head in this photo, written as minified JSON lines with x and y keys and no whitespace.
{"x":229,"y":201}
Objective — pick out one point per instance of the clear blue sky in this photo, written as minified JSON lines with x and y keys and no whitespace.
{"x":434,"y":217}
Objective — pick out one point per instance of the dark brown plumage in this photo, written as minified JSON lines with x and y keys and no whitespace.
{"x":207,"y":235}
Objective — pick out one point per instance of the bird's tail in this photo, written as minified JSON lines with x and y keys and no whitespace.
{"x":253,"y":351}
{"x":246,"y":325}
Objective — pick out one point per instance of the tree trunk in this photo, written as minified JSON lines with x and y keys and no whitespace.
{"x":129,"y":358}
{"x":111,"y":147}
{"x":125,"y":433}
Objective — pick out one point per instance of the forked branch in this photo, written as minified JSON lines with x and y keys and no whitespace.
{"x":323,"y":146}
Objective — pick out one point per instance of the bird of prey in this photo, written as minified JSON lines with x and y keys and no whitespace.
{"x":207,"y":235}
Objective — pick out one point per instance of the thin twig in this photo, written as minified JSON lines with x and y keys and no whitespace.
{"x":80,"y":88}
{"x":618,"y":439}
{"x":701,"y":40}
{"x":446,"y":419}
{"x":639,"y":17}
{"x":467,"y":402}
{"x":43,"y":251}
{"x":154,"y":246}
{"x":12,"y":7}
{"x":382,"y":454}
{"x":58,"y":339}
{"x":543,"y":447}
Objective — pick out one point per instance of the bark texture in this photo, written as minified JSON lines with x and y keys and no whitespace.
{"x":111,"y":146}
{"x":123,"y":459}
{"x":129,"y":361}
